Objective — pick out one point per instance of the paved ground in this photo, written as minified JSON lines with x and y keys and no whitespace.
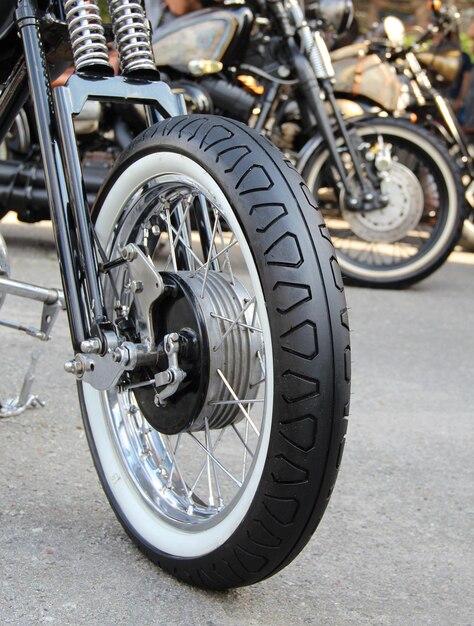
{"x":394,"y":548}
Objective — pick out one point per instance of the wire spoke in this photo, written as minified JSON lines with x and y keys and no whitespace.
{"x":224,"y":402}
{"x":239,"y":403}
{"x":216,"y":461}
{"x":240,"y":324}
{"x":211,"y":252}
{"x":244,"y":441}
{"x":217,"y":255}
{"x":204,"y":465}
{"x":234,"y":323}
{"x":214,"y":473}
{"x":174,"y":464}
{"x":227,"y":259}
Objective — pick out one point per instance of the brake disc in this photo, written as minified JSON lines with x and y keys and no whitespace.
{"x":402,"y":213}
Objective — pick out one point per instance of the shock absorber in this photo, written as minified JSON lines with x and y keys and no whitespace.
{"x":87,"y":37}
{"x":132,"y":36}
{"x":315,"y":48}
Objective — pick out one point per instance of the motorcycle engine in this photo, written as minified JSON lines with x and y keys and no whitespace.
{"x":215,"y":95}
{"x":196,"y":97}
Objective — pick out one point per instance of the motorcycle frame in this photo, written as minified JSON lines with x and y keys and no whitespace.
{"x":54,"y":111}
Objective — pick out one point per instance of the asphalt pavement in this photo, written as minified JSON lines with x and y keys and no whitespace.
{"x":394,"y":548}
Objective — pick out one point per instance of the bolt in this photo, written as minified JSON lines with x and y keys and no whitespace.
{"x":158,"y":401}
{"x":129,"y":253}
{"x":136,"y":286}
{"x":74,"y":367}
{"x":155,"y":229}
{"x":120,"y":355}
{"x":91,"y":345}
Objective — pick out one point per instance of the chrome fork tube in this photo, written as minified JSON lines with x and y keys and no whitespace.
{"x":53,"y":166}
{"x":317,"y":54}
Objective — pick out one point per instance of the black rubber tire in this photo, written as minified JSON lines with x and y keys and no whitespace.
{"x":451,"y":214}
{"x":310,"y":336}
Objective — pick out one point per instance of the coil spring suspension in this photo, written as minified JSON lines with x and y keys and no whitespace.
{"x":132,"y":35}
{"x":313,"y":44}
{"x":86,"y":32}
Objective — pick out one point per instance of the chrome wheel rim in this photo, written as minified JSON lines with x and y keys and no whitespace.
{"x":420,"y":245}
{"x":194,"y":480}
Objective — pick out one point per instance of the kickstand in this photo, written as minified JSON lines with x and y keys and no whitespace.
{"x":26,"y":400}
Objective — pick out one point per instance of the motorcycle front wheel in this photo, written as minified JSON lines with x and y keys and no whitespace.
{"x":224,"y":482}
{"x":413,"y":235}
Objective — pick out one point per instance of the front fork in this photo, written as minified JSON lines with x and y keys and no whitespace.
{"x":70,"y":213}
{"x":452,"y":124}
{"x":449,"y":118}
{"x":315,"y":72}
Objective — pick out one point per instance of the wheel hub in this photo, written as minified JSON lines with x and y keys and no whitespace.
{"x":219,"y":353}
{"x":402,"y":213}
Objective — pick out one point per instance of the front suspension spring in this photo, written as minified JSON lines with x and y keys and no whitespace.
{"x":86,"y":33}
{"x":132,"y":35}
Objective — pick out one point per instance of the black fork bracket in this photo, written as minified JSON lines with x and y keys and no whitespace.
{"x":70,"y":211}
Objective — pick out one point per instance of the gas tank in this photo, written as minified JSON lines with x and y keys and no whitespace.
{"x":445,"y":63}
{"x":217,"y":34}
{"x":366,"y":75}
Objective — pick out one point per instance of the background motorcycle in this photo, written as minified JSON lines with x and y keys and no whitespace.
{"x":410,"y":75}
{"x":388,"y":192}
{"x":212,"y":364}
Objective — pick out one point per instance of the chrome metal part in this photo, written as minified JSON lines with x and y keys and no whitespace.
{"x":229,"y":314}
{"x":313,"y":44}
{"x":130,"y":355}
{"x":32,"y":292}
{"x":4,"y":267}
{"x":402,"y":213}
{"x":195,"y":475}
{"x":86,"y":32}
{"x":93,"y":345}
{"x":26,"y":400}
{"x":53,"y":300}
{"x":172,"y":377}
{"x":146,"y":284}
{"x":104,"y":371}
{"x":132,"y":35}
{"x":470,"y":194}
{"x":383,"y":156}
